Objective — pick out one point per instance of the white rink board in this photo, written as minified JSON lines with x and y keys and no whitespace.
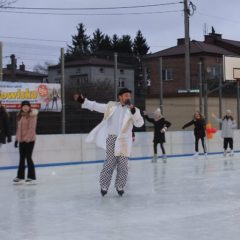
{"x":71,"y":148}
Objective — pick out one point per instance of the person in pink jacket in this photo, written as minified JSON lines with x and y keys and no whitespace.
{"x":25,"y":139}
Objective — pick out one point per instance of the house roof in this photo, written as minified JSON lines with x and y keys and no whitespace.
{"x":196,"y":47}
{"x":231,"y":42}
{"x":91,"y":61}
{"x":24,"y":73}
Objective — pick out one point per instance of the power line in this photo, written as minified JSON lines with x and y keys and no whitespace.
{"x":33,"y":46}
{"x":92,"y":14}
{"x":93,"y":8}
{"x":33,"y":39}
{"x":218,"y":17}
{"x":30,"y":53}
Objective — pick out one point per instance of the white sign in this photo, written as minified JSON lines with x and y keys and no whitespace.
{"x":42,"y":96}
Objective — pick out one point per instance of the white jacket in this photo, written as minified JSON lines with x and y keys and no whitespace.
{"x":99,"y":134}
{"x":227,"y":127}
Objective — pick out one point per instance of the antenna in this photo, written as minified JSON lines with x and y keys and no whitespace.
{"x":205,"y":29}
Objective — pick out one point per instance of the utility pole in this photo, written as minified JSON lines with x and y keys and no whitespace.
{"x":161,"y":84}
{"x":206,"y":100}
{"x":187,"y":45}
{"x":1,"y":64}
{"x":220,"y":92}
{"x":115,"y":75}
{"x":200,"y":86}
{"x":63,"y":92}
{"x":238,"y":104}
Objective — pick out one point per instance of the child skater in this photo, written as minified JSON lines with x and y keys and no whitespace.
{"x":160,"y":127}
{"x":228,"y":124}
{"x":25,"y":138}
{"x":199,"y":131}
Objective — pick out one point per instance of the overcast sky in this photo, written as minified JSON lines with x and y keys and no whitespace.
{"x":160,"y":29}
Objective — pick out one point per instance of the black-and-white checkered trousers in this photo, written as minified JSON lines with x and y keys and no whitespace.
{"x":112,"y":162}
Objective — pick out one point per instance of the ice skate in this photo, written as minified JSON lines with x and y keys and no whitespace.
{"x":205,"y":155}
{"x":196,"y":155}
{"x":17,"y":181}
{"x":120,"y":192}
{"x":231,"y":153}
{"x":103,"y":192}
{"x":225,"y":153}
{"x":30,"y":181}
{"x":155,"y":158}
{"x":164,"y":158}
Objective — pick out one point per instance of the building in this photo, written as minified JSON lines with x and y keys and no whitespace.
{"x":93,"y":77}
{"x":178,"y":104}
{"x":14,"y":74}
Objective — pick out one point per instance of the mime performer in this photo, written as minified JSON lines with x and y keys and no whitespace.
{"x":114,"y":134}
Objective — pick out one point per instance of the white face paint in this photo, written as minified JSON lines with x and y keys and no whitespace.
{"x":125,"y":98}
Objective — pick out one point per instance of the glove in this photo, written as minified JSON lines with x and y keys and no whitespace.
{"x":79,"y":98}
{"x":133,"y":110}
{"x":16,"y":144}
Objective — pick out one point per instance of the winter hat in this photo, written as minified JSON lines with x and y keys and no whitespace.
{"x":157,"y":112}
{"x":228,"y":111}
{"x":124,"y":90}
{"x":25,"y":103}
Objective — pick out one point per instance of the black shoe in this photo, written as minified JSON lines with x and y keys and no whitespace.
{"x":120,"y":192}
{"x":103,"y":192}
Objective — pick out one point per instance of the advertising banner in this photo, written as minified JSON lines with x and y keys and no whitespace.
{"x":42,"y":96}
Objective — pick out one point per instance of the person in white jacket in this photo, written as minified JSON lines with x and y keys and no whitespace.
{"x":114,"y":134}
{"x":228,"y":124}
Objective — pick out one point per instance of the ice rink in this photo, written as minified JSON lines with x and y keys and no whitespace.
{"x":183,"y":199}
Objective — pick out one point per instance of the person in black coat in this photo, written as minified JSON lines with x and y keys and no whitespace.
{"x":5,"y":135}
{"x":199,"y":131}
{"x":160,"y":127}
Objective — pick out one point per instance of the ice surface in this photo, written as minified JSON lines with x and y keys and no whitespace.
{"x":183,"y":199}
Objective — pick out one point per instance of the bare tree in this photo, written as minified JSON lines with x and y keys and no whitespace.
{"x":6,"y":3}
{"x":42,"y":68}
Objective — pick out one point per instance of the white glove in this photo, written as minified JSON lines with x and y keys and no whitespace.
{"x":163,"y":130}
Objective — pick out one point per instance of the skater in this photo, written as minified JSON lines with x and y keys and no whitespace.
{"x":160,"y":127}
{"x":199,"y":131}
{"x":5,"y":135}
{"x":228,"y":124}
{"x":25,"y":139}
{"x":114,"y":134}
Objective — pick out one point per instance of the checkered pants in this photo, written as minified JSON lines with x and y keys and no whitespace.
{"x":110,"y":164}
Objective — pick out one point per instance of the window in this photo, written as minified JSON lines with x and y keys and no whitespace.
{"x":57,"y":80}
{"x":121,"y":82}
{"x":213,"y":72}
{"x":79,"y":80}
{"x":167,"y":74}
{"x":78,"y":71}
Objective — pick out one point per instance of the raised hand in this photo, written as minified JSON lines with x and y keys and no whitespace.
{"x":79,"y":98}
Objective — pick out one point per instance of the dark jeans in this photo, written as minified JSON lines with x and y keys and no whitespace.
{"x":155,"y":148}
{"x":227,"y":141}
{"x":203,"y":143}
{"x":26,"y":150}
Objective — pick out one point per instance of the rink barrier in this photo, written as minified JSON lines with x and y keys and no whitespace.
{"x":71,"y":149}
{"x":101,"y":161}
